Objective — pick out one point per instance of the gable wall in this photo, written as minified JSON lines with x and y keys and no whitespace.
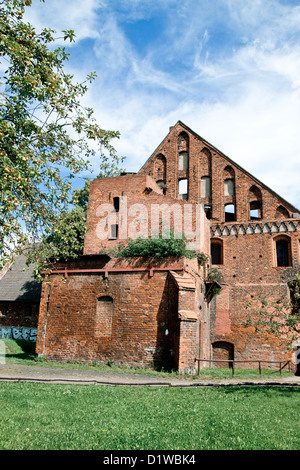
{"x":248,"y":268}
{"x":205,"y":160}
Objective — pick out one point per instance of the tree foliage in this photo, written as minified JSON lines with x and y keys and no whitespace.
{"x":65,"y":239}
{"x":46,"y":135}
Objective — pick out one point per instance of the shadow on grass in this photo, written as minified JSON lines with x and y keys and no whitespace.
{"x":20,"y":349}
{"x":268,"y":390}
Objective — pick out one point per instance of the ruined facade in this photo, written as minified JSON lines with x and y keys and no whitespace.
{"x":135,"y":312}
{"x":131,"y":311}
{"x":254,"y":235}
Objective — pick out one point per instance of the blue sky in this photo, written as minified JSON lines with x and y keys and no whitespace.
{"x":229,"y":69}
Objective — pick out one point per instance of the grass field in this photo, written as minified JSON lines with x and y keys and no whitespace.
{"x":64,"y":417}
{"x":87,"y":417}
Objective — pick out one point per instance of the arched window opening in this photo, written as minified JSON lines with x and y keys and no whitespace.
{"x":104,"y":317}
{"x":205,"y":186}
{"x":183,"y":189}
{"x":255,"y":203}
{"x":255,"y":210}
{"x":216,"y":250}
{"x":230,"y":215}
{"x":283,"y":251}
{"x":160,"y":167}
{"x":282,"y":213}
{"x":223,"y":351}
{"x":206,"y":152}
{"x":228,"y":173}
{"x":183,"y":161}
{"x":205,"y":161}
{"x":183,"y":141}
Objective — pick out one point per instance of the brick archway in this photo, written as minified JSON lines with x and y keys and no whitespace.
{"x":223,"y":351}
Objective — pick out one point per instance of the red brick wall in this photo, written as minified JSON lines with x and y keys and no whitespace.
{"x":249,"y":260}
{"x":144,"y":310}
{"x":140,"y":190}
{"x":145,"y":307}
{"x":144,"y":327}
{"x":249,"y":273}
{"x":19,"y":314}
{"x":205,"y":160}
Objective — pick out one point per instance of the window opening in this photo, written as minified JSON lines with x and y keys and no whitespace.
{"x":162,"y":185}
{"x":116,"y":204}
{"x":216,"y":248}
{"x":283,"y":252}
{"x":255,"y":210}
{"x":255,"y":203}
{"x":183,"y":141}
{"x":282,"y":213}
{"x":228,"y":187}
{"x":160,"y":167}
{"x":113,"y":231}
{"x":205,"y":186}
{"x":183,"y":189}
{"x":208,"y":211}
{"x":230,"y":215}
{"x":183,"y":161}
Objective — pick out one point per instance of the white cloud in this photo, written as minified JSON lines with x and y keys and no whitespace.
{"x":67,"y":14}
{"x":272,"y":20}
{"x":229,"y":69}
{"x":112,"y":50}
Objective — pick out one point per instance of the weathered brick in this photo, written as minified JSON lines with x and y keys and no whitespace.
{"x":163,"y":317}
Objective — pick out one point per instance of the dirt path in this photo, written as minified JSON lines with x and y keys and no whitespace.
{"x":18,"y":373}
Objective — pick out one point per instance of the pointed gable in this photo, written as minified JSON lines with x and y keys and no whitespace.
{"x":186,"y":166}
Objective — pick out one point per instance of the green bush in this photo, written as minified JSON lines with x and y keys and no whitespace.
{"x":157,"y":248}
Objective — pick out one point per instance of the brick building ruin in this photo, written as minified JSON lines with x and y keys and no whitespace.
{"x":130,"y":311}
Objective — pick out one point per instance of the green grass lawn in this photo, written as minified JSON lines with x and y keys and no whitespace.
{"x":71,"y":417}
{"x":77,"y":417}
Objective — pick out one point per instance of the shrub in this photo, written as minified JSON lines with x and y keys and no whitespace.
{"x":156,"y":248}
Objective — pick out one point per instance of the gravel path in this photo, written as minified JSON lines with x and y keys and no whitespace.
{"x":18,"y":373}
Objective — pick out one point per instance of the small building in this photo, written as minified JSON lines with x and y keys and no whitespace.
{"x":19,"y":301}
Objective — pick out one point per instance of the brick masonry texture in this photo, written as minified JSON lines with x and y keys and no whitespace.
{"x":163,"y":317}
{"x":144,"y":325}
